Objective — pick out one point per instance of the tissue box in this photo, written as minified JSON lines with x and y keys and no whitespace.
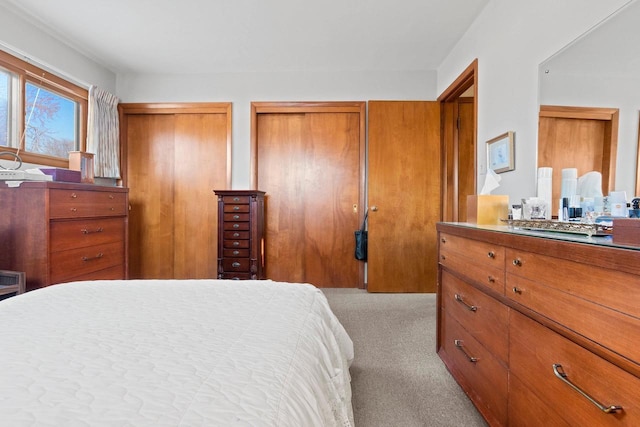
{"x":487,"y":209}
{"x":626,"y":231}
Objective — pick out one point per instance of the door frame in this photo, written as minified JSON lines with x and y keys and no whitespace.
{"x":448,"y":101}
{"x":358,"y":107}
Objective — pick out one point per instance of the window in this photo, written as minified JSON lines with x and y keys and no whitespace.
{"x":42,"y":117}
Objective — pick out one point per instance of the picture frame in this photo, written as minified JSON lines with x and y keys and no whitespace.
{"x":501,"y":153}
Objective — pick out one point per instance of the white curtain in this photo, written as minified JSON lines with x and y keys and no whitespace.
{"x":103,"y":133}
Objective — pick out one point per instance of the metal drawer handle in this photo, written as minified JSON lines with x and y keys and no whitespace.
{"x":236,"y":252}
{"x":559,"y":372}
{"x":100,"y":255}
{"x":236,"y":243}
{"x":491,"y":279}
{"x":517,"y":290}
{"x":460,"y":345}
{"x":236,"y":217}
{"x":73,"y":210}
{"x":517,"y":262}
{"x":111,"y":196}
{"x":236,"y":234}
{"x":97,"y":230}
{"x":462,"y":301}
{"x":236,"y":199}
{"x":74,"y":195}
{"x":443,"y":240}
{"x":491,"y":254}
{"x":235,"y":265}
{"x":236,"y":208}
{"x":443,"y":257}
{"x":236,"y":225}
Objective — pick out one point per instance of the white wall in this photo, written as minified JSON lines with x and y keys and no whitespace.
{"x":243,"y":88}
{"x":510,"y":39}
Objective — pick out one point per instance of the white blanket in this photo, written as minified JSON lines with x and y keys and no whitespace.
{"x":173,"y":353}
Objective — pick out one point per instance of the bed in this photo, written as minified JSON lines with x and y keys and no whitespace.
{"x":174,"y":353}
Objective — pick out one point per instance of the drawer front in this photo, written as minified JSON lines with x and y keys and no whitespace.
{"x":527,"y":410}
{"x":239,"y":226}
{"x":78,"y":262}
{"x":236,"y":253}
{"x":82,"y":233}
{"x":111,"y":273}
{"x":236,"y":264}
{"x":236,"y":244}
{"x":480,"y":253}
{"x":85,"y":203}
{"x":488,"y":275}
{"x":485,"y":380}
{"x":236,"y":199}
{"x":235,"y":276}
{"x":236,"y":208}
{"x":610,"y":288}
{"x":236,"y":217}
{"x":582,"y":316}
{"x":231,"y":235}
{"x":534,"y":352}
{"x":482,"y":316}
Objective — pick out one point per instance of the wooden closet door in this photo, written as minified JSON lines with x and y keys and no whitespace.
{"x":404,"y":195}
{"x":175,"y":158}
{"x":309,"y":165}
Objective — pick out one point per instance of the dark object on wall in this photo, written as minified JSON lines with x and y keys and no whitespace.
{"x":361,"y":240}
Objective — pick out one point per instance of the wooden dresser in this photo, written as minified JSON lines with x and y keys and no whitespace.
{"x":240,"y":234}
{"x":540,"y":328}
{"x":59,"y":232}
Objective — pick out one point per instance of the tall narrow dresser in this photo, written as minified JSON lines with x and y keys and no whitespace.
{"x":241,"y":232}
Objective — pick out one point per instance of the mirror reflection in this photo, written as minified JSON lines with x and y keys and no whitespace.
{"x":601,"y":69}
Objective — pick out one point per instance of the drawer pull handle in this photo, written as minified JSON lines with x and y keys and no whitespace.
{"x":235,"y":265}
{"x":111,"y":196}
{"x":85,"y":259}
{"x":236,"y":234}
{"x":236,"y":217}
{"x":236,"y":252}
{"x":236,"y":199}
{"x":559,"y":372}
{"x":460,"y":345}
{"x":517,"y":262}
{"x":491,"y":279}
{"x":236,"y":243}
{"x":517,"y":290}
{"x":463,"y":302}
{"x":97,"y":230}
{"x":491,"y":254}
{"x":236,"y":208}
{"x":73,"y":210}
{"x":443,"y":240}
{"x":443,"y":257}
{"x":74,"y":196}
{"x":236,"y":225}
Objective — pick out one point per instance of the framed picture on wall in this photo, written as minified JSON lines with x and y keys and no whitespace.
{"x":500,"y":153}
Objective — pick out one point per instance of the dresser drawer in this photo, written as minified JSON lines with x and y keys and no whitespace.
{"x":236,"y":217}
{"x":112,"y":273}
{"x":582,"y":316}
{"x":480,"y":262}
{"x":488,"y":376}
{"x":235,"y":276}
{"x":236,"y":253}
{"x":230,"y":235}
{"x":532,"y":363}
{"x":236,"y":264}
{"x":236,"y":208}
{"x":527,"y":410}
{"x":482,"y":316}
{"x":240,"y":226}
{"x":231,"y":200}
{"x":86,"y":203}
{"x":602,"y":286}
{"x":77,"y":262}
{"x":236,"y":244}
{"x":82,"y":233}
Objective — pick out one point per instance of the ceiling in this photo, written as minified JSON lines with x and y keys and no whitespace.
{"x":206,"y":36}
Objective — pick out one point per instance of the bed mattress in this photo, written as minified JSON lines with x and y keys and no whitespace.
{"x":173,"y":353}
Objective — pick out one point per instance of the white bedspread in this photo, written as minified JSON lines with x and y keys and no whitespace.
{"x":173,"y":353}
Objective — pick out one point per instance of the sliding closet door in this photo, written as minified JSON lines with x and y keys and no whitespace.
{"x":310,"y":164}
{"x":175,"y":158}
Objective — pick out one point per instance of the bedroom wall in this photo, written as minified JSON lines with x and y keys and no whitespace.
{"x":510,"y":39}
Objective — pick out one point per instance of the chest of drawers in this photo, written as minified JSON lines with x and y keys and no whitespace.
{"x":241,"y":233}
{"x":58,"y":232}
{"x":564,"y":326}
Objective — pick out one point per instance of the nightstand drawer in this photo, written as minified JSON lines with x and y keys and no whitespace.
{"x":236,"y":217}
{"x":240,"y":226}
{"x":235,"y":264}
{"x":236,"y":244}
{"x":86,"y":203}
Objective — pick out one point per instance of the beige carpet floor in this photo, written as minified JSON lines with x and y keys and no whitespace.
{"x":398,"y":380}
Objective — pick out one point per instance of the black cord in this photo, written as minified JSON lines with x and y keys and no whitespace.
{"x":15,"y":156}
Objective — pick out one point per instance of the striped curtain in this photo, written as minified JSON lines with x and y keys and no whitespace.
{"x":103,"y":133}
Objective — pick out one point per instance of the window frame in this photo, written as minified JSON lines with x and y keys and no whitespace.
{"x":28,"y":72}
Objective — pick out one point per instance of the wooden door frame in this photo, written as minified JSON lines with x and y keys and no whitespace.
{"x":126,"y":109}
{"x":448,"y":99}
{"x":358,"y":107}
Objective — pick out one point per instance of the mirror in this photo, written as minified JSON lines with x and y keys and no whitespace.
{"x":602,"y":69}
